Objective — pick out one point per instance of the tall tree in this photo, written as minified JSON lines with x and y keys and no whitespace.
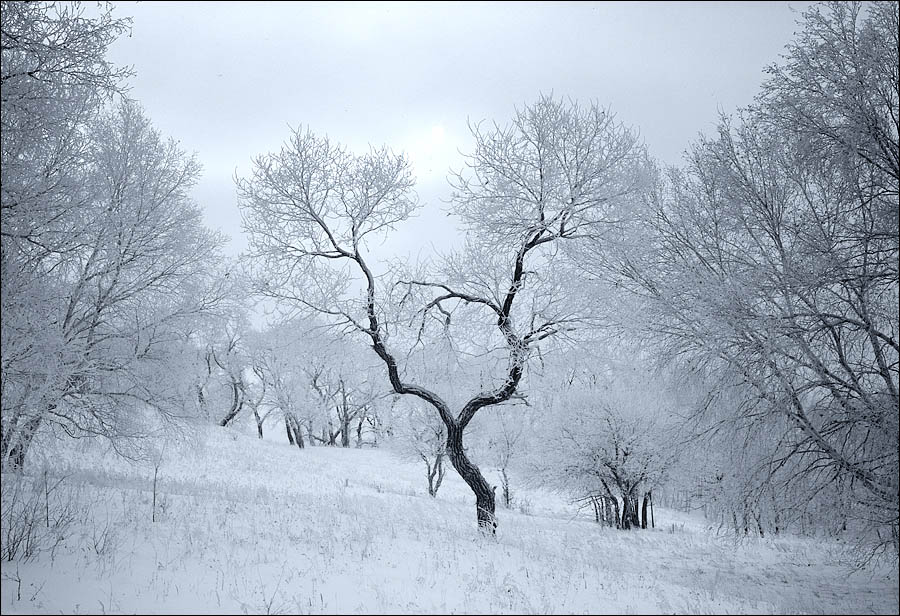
{"x":558,"y":173}
{"x":89,"y":351}
{"x":55,"y":78}
{"x":773,"y":257}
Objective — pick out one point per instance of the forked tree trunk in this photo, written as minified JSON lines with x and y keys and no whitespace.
{"x":630,"y":514}
{"x":635,"y":511}
{"x":429,"y":473}
{"x":375,"y":430}
{"x":237,"y":403}
{"x":485,"y":507}
{"x":644,"y":510}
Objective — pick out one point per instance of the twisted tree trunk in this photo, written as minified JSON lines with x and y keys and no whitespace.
{"x":484,"y":495}
{"x":237,"y":402}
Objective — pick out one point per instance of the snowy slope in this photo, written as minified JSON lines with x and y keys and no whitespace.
{"x":249,"y":526}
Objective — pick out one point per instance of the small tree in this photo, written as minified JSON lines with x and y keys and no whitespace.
{"x":420,"y":435}
{"x":503,"y":441}
{"x":609,"y":443}
{"x":255,"y":401}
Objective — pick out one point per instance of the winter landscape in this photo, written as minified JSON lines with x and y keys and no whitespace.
{"x":447,"y":308}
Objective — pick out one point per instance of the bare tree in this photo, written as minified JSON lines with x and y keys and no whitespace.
{"x":420,"y":435}
{"x":232,"y":360}
{"x":502,"y":433}
{"x":773,"y":258}
{"x":608,"y":442}
{"x":285,"y":389}
{"x":314,"y":379}
{"x":55,"y":79}
{"x":257,"y":400}
{"x":336,"y":391}
{"x":558,"y":173}
{"x":125,"y":289}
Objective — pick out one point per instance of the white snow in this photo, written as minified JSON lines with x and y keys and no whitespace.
{"x":249,"y":526}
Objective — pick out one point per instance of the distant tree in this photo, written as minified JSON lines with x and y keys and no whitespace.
{"x":228,"y":359}
{"x":255,"y":399}
{"x":607,"y":442}
{"x":419,"y":435}
{"x":286,"y":390}
{"x":557,"y":174}
{"x":501,"y":442}
{"x":344,"y":390}
{"x":312,"y":379}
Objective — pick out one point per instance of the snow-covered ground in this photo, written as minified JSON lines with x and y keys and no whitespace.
{"x":249,"y":526}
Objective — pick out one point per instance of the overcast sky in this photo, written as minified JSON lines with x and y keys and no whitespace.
{"x":226,"y":79}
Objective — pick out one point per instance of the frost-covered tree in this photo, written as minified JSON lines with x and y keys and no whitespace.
{"x":345,"y":394}
{"x":419,"y":435}
{"x":106,"y":266}
{"x":313,"y":381}
{"x":88,"y":329}
{"x":499,"y":439}
{"x":55,"y":78}
{"x":277,"y":363}
{"x":609,"y":440}
{"x":558,"y":173}
{"x":772,"y":258}
{"x":224,"y":358}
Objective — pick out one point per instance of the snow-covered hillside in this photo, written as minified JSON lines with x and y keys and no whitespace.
{"x":249,"y":526}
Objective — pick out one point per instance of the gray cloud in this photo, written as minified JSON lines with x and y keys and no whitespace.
{"x":227,"y":79}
